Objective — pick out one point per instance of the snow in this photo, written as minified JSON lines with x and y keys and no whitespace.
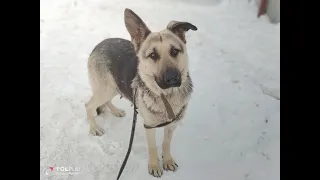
{"x":232,"y":127}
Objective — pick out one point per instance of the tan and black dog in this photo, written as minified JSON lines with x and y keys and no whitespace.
{"x":155,"y":65}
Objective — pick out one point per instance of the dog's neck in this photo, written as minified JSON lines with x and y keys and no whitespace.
{"x":184,"y":91}
{"x":138,"y":82}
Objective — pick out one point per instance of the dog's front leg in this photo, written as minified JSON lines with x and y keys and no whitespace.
{"x":168,"y":162}
{"x":153,"y":167}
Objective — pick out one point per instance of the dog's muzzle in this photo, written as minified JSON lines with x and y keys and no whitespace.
{"x":172,"y":78}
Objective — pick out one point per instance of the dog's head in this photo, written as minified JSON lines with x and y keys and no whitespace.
{"x":163,"y":59}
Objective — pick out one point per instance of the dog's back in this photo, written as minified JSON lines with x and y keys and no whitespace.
{"x":115,"y":57}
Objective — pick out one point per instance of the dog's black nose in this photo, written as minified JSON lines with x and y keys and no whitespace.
{"x":172,"y":78}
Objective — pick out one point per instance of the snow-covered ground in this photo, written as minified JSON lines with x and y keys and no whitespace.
{"x":232,"y":127}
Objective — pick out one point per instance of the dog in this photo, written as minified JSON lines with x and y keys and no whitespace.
{"x":153,"y":66}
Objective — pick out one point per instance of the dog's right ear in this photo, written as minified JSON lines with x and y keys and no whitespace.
{"x":136,"y":28}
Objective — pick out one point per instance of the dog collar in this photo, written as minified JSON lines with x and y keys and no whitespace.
{"x":165,"y":123}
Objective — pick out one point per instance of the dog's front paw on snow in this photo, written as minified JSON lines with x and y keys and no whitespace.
{"x":170,"y":165}
{"x":96,"y":131}
{"x":155,"y":170}
{"x":118,"y":113}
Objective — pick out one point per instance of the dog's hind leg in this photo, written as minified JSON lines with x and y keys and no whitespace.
{"x":96,"y":102}
{"x":91,"y":105}
{"x":114,"y":110}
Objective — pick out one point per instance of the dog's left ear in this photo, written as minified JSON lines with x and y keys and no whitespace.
{"x":180,"y":28}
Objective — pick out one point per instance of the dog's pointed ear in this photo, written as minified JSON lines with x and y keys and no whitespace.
{"x":180,"y":28}
{"x":136,"y":27}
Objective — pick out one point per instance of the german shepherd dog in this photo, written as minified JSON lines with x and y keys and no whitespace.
{"x":154,"y":65}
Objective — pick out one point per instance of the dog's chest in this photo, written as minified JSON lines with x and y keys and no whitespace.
{"x":154,"y":109}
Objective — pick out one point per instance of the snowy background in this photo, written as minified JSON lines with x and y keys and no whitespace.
{"x":232,"y":127}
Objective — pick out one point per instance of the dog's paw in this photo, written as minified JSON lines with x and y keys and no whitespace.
{"x":96,"y":131}
{"x":170,"y":165}
{"x":118,"y":113}
{"x":155,"y":170}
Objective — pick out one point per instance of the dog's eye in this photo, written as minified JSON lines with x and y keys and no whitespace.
{"x":174,"y":52}
{"x":153,"y":56}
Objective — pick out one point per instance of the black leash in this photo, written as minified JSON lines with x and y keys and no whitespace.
{"x":131,"y":136}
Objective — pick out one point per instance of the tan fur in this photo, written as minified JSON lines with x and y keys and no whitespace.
{"x":149,"y":68}
{"x":104,"y":87}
